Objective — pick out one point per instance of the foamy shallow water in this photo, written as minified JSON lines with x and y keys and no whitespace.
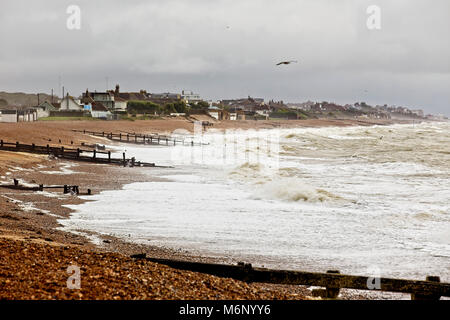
{"x":351,"y":199}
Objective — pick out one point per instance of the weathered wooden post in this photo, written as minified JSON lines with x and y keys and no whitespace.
{"x":17,"y":144}
{"x":132,"y":161}
{"x":128,"y":137}
{"x":135,"y":138}
{"x":41,"y":187}
{"x":89,"y":192}
{"x":78,"y":152}
{"x":62,"y":151}
{"x":1,"y":143}
{"x":103,"y":133}
{"x":151,"y":140}
{"x":16,"y":182}
{"x":109,"y":156}
{"x":32,"y":146}
{"x":120,"y":136}
{"x":94,"y":154}
{"x":48,"y":149}
{"x":429,"y":295}
{"x":167,"y":141}
{"x":332,"y":292}
{"x":66,"y":189}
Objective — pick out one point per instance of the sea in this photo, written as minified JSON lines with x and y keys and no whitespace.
{"x":360,"y":199}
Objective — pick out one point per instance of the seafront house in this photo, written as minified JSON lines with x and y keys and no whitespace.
{"x":121,"y":99}
{"x":237,"y":115}
{"x":129,"y":96}
{"x":68,"y":103}
{"x":218,"y":114}
{"x":99,"y":111}
{"x":44,"y":109}
{"x":120,"y":104}
{"x":105,"y":98}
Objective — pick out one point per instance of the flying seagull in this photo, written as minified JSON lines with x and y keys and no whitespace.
{"x":286,"y":62}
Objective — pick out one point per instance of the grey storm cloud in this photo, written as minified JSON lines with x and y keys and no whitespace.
{"x":225,"y":49}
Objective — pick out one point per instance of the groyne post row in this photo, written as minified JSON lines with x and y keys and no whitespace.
{"x":138,"y":138}
{"x":332,"y":281}
{"x":74,"y":154}
{"x":73,"y":189}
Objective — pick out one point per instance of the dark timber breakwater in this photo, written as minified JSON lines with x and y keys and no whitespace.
{"x":137,"y":138}
{"x":75,"y":154}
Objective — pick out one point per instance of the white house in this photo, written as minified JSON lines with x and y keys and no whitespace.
{"x":69,"y":103}
{"x":264,"y":113}
{"x":98,"y":110}
{"x":120,"y":104}
{"x":44,"y":109}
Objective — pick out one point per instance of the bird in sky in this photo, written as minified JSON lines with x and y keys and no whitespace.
{"x":286,"y":62}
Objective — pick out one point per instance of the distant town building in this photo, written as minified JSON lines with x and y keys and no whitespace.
{"x":190,"y":97}
{"x":249,"y":105}
{"x":128,"y":96}
{"x":418,"y":112}
{"x":305,"y":106}
{"x":218,"y":114}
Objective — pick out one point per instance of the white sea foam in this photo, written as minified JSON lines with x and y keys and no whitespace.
{"x":334,"y":198}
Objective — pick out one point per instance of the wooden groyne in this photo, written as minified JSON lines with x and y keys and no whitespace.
{"x":332,"y":281}
{"x":73,"y":189}
{"x":75,"y":154}
{"x":137,"y":138}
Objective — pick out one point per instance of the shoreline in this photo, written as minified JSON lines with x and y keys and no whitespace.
{"x":41,"y":227}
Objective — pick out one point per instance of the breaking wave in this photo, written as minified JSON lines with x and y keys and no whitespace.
{"x":294,"y":190}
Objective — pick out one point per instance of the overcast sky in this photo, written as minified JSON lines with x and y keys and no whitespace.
{"x":229,"y":48}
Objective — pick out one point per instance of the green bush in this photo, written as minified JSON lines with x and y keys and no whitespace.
{"x":283,"y":115}
{"x":141,"y":107}
{"x":200,"y":105}
{"x":169,"y":108}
